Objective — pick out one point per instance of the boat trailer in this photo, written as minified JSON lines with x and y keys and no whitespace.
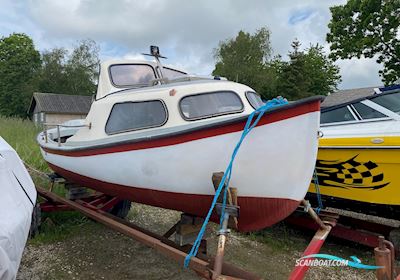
{"x":368,"y":233}
{"x":97,"y":205}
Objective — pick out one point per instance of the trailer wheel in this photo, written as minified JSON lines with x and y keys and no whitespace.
{"x":35,"y":221}
{"x":394,"y":237}
{"x":121,"y":209}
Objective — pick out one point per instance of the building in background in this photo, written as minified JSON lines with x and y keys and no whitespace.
{"x":347,"y":95}
{"x":54,"y":108}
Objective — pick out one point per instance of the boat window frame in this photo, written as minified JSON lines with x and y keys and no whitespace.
{"x":356,"y":114}
{"x":356,"y":122}
{"x":213,"y":115}
{"x":354,"y":111}
{"x":356,"y":119}
{"x":141,"y":128}
{"x":248,"y":99}
{"x":176,"y":70}
{"x":129,"y":86}
{"x":361,"y":119}
{"x":389,"y":113}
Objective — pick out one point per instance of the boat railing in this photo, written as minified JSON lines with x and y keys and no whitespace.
{"x":47,"y":125}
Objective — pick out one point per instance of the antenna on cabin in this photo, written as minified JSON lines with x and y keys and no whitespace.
{"x":155,"y":52}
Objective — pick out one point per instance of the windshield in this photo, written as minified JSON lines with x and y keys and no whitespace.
{"x":124,"y":75}
{"x":390,"y":101}
{"x":172,"y":73}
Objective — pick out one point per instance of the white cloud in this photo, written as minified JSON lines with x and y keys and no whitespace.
{"x":359,"y":73}
{"x":186,"y":31}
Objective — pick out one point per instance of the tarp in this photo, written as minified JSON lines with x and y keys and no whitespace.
{"x":17,"y":199}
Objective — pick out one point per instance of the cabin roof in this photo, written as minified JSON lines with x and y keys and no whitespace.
{"x":60,"y":103}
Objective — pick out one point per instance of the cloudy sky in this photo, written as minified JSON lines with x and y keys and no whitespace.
{"x":186,"y":31}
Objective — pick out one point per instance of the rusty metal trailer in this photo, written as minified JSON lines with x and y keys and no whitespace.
{"x":97,"y":205}
{"x":202,"y":264}
{"x":351,"y":228}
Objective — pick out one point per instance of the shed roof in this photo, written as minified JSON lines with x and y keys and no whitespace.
{"x":60,"y":103}
{"x":347,"y":95}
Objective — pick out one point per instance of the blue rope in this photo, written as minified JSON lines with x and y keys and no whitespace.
{"x":250,"y":124}
{"x":316,"y":184}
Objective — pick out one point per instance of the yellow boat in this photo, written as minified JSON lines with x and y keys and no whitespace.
{"x":358,"y":164}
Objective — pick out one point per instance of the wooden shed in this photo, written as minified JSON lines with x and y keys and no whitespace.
{"x":54,"y":108}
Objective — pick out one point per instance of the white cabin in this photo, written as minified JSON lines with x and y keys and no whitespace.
{"x":136,"y":98}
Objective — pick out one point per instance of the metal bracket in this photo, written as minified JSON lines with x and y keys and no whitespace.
{"x":232,"y":210}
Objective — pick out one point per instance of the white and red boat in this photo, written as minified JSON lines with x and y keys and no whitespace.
{"x":155,"y":135}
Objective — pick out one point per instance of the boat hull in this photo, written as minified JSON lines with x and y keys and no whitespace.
{"x":271,"y":172}
{"x":352,"y":169}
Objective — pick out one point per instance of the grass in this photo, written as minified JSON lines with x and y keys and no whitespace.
{"x":280,"y":237}
{"x":21,"y":135}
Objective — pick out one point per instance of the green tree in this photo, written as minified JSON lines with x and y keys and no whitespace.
{"x":368,"y":28}
{"x":244,"y":59}
{"x":74,"y":73}
{"x":19,"y":65}
{"x":82,"y":68}
{"x":323,"y":73}
{"x":52,"y":75}
{"x":307,"y":73}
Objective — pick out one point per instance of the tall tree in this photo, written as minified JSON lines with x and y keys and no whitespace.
{"x":19,"y":65}
{"x":52,"y":75}
{"x":368,"y":28}
{"x":323,"y":73}
{"x":244,"y":58}
{"x":74,"y":73}
{"x":293,"y":82}
{"x":307,"y":73}
{"x":82,"y":68}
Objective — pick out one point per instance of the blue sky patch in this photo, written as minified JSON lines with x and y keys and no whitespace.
{"x":300,"y":15}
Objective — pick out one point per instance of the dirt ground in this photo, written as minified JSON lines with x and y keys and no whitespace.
{"x":96,"y":252}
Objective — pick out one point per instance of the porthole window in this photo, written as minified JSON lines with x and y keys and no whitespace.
{"x":136,"y":115}
{"x":211,"y":104}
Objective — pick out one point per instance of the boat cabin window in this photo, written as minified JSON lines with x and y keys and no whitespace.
{"x":172,"y":74}
{"x":125,"y":75}
{"x":367,"y":112}
{"x":136,"y":115}
{"x":211,"y":104}
{"x":254,"y":99}
{"x":389,"y":101}
{"x":341,"y":114}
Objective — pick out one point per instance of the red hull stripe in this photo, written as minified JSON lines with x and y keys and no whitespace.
{"x":193,"y":135}
{"x":255,"y":212}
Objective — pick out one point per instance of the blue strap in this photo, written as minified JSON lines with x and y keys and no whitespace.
{"x":250,"y":124}
{"x":319,"y":198}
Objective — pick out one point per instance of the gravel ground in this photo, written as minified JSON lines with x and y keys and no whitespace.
{"x":96,"y":252}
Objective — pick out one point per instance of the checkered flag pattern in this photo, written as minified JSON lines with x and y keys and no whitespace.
{"x":350,"y":174}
